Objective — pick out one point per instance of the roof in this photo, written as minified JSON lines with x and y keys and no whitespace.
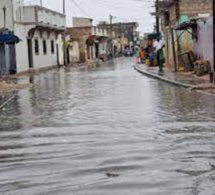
{"x":82,"y":18}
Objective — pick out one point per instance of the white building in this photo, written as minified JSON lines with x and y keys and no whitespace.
{"x":40,"y":30}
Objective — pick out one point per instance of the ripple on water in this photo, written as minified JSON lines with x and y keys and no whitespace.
{"x":66,"y":133}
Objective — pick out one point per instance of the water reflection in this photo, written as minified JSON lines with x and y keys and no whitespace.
{"x":73,"y":126}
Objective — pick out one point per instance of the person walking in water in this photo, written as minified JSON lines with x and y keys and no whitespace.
{"x":142,"y":56}
{"x":137,"y":55}
{"x":159,"y":45}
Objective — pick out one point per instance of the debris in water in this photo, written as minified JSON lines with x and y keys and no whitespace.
{"x":109,"y":174}
{"x":212,"y":166}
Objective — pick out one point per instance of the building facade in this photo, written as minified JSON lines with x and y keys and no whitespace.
{"x":40,"y":30}
{"x":93,"y":41}
{"x":173,"y":13}
{"x":43,"y":34}
{"x":126,"y":31}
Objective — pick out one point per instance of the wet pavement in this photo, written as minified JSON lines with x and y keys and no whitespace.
{"x":107,"y":130}
{"x":185,"y":80}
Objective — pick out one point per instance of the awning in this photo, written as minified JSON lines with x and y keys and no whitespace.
{"x":103,"y":40}
{"x":91,"y":39}
{"x":154,"y":36}
{"x":94,"y":38}
{"x":9,"y":39}
{"x":186,"y":25}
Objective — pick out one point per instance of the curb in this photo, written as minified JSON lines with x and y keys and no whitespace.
{"x":176,"y":83}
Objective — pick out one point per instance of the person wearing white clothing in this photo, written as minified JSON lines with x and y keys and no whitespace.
{"x":158,"y":46}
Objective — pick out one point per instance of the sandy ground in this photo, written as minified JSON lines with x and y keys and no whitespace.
{"x":9,"y":87}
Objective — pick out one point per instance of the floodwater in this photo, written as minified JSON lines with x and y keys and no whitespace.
{"x":107,"y":130}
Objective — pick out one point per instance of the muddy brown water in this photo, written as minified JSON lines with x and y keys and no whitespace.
{"x":76,"y":127}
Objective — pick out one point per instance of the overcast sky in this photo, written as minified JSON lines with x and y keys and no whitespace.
{"x":99,"y":10}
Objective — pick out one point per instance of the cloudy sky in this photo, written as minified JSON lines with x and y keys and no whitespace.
{"x":99,"y":10}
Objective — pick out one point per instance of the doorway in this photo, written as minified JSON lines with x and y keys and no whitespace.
{"x":57,"y":53}
{"x":68,"y":55}
{"x":12,"y":59}
{"x":97,"y":50}
{"x":30,"y":53}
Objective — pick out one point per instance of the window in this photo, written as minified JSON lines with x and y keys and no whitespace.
{"x":52,"y":46}
{"x":36,"y":46}
{"x":44,"y":47}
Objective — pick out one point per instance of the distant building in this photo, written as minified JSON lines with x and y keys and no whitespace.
{"x":123,"y":30}
{"x":80,"y":22}
{"x":93,"y":41}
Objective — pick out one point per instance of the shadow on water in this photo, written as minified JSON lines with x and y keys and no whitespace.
{"x":106,"y":130}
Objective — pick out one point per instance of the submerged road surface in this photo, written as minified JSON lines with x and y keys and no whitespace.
{"x":107,"y":130}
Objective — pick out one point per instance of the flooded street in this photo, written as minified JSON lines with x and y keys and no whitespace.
{"x":70,"y":129}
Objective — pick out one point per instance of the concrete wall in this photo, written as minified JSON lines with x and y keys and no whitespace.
{"x":50,"y":17}
{"x":60,"y":44}
{"x":168,"y":50}
{"x":74,"y":52}
{"x":40,"y":60}
{"x":195,"y":7}
{"x":9,"y":14}
{"x":21,"y":49}
{"x":44,"y":16}
{"x":29,"y":14}
{"x":204,"y":43}
{"x":43,"y":60}
{"x":82,"y":22}
{"x":81,"y":35}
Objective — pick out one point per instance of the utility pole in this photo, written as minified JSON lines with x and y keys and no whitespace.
{"x":41,"y":3}
{"x":212,"y":75}
{"x":64,"y":36}
{"x":157,"y":16}
{"x":120,"y":38}
{"x":4,"y":13}
{"x":111,"y":28}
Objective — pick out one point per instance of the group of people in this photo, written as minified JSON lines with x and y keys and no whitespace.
{"x":151,"y":55}
{"x":140,"y":55}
